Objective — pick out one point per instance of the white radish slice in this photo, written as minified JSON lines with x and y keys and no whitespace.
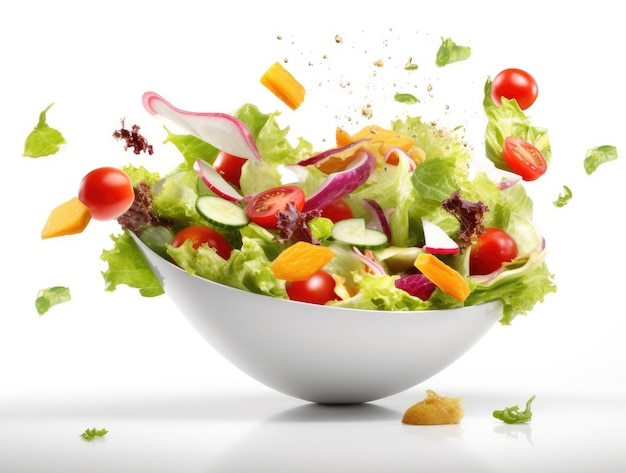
{"x":225,"y":132}
{"x":216,"y":182}
{"x":438,"y":241}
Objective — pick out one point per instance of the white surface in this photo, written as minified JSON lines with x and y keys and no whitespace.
{"x":169,"y":401}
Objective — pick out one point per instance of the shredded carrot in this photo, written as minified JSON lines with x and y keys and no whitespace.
{"x":300,"y":261}
{"x":443,"y":276}
{"x":381,"y":141}
{"x":68,"y":218}
{"x":283,"y":85}
{"x":342,"y":137}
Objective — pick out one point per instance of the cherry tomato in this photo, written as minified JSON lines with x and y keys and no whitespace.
{"x":199,"y":235}
{"x":107,"y":192}
{"x":514,"y":84}
{"x":229,"y":167}
{"x":524,"y":159}
{"x":339,"y":210}
{"x":492,"y":248}
{"x":264,"y":206}
{"x":318,"y":289}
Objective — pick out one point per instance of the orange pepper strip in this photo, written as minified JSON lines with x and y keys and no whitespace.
{"x":300,"y":261}
{"x":68,"y":218}
{"x":283,"y":85}
{"x":443,"y":276}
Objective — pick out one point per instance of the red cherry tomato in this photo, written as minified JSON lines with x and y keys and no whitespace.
{"x":199,"y":235}
{"x":492,"y":248}
{"x":524,"y":159}
{"x":318,"y":289}
{"x":229,"y":167}
{"x":339,"y":210}
{"x":107,"y":192}
{"x":514,"y":84}
{"x":264,"y":206}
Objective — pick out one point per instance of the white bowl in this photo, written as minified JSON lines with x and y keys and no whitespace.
{"x":318,"y":353}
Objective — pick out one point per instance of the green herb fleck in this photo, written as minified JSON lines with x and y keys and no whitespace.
{"x":450,"y":52}
{"x":51,"y":296}
{"x":599,"y":155}
{"x":564,"y":197}
{"x":406,"y":98}
{"x":91,"y":434}
{"x":512,"y":415}
{"x":43,"y":140}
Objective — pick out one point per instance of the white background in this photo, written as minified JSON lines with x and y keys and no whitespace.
{"x":134,"y":366}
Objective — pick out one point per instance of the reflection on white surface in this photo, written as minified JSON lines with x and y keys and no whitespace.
{"x":261,"y":431}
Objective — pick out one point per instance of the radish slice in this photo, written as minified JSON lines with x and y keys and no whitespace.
{"x":339,"y":184}
{"x":342,"y":152}
{"x":216,"y":182}
{"x":437,"y":241}
{"x":401,"y":154}
{"x":378,"y":218}
{"x":221,"y":130}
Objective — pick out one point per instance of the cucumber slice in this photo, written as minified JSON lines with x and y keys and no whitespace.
{"x":221,"y":212}
{"x":354,"y":232}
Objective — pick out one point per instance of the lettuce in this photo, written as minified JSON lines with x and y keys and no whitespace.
{"x":407,"y":197}
{"x":43,"y":140}
{"x":378,"y":292}
{"x":127,"y":265}
{"x":248,"y":268}
{"x":509,"y":120}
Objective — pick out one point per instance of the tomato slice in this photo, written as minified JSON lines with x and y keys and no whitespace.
{"x":524,"y":159}
{"x":264,"y":207}
{"x":229,"y":167}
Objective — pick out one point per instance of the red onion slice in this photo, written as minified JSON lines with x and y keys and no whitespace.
{"x":339,"y":184}
{"x":378,"y":218}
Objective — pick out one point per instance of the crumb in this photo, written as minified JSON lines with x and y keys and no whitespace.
{"x":434,"y":410}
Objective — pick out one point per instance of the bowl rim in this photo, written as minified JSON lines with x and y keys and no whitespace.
{"x":331,"y":309}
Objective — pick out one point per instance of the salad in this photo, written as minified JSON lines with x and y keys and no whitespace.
{"x":395,"y":217}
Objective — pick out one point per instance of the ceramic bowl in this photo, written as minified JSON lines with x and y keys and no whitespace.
{"x":319,"y":353}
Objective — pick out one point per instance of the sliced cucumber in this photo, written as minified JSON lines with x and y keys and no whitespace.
{"x":221,"y":212}
{"x":354,"y":232}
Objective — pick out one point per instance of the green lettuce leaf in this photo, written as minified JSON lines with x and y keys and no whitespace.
{"x":378,"y":292}
{"x":598,"y":156}
{"x":127,"y":265}
{"x":43,"y":140}
{"x":191,"y":148}
{"x":450,"y":52}
{"x":564,"y":197}
{"x":519,"y":285}
{"x":509,"y":120}
{"x":174,"y":198}
{"x":51,"y":296}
